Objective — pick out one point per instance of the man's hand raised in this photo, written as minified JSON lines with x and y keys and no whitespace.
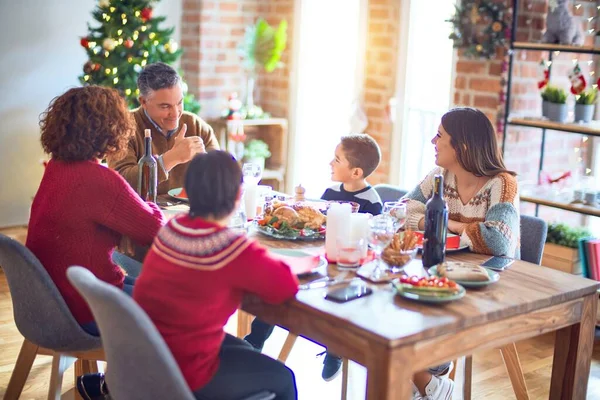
{"x":184,"y":149}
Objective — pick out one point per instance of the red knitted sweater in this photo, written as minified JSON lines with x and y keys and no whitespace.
{"x":78,"y":215}
{"x":193,"y":280}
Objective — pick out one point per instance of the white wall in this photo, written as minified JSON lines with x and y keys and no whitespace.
{"x":40,"y":59}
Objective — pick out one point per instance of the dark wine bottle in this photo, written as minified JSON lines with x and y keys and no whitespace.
{"x":147,"y":173}
{"x":436,"y":225}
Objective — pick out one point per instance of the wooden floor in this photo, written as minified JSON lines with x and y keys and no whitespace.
{"x":490,"y":380}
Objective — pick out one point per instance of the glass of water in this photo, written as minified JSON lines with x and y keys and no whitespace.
{"x":381,"y":233}
{"x":252,"y":173}
{"x":397,"y":211}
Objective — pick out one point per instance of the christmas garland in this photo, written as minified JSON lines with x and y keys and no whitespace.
{"x":479,"y":27}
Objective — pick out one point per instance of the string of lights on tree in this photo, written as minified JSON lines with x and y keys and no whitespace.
{"x":125,"y":38}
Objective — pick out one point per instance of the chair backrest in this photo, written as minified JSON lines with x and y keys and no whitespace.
{"x":533,"y":238}
{"x":40,"y":312}
{"x":389,"y":192}
{"x":141,"y":364}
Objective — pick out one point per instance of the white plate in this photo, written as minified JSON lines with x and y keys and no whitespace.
{"x":175,"y":194}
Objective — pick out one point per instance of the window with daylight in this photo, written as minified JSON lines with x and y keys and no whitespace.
{"x":330,"y":36}
{"x":424,"y":86}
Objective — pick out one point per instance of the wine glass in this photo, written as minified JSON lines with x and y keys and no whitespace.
{"x":381,"y":233}
{"x":252,"y":173}
{"x":397,"y":211}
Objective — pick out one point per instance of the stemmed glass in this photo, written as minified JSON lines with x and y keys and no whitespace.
{"x":381,"y":233}
{"x":252,"y":173}
{"x":397,"y":211}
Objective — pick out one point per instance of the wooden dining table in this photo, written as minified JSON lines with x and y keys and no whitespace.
{"x":394,"y":337}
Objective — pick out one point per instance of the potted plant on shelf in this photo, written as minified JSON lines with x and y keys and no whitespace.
{"x":257,"y":151}
{"x":261,"y":48}
{"x":554,"y":103}
{"x":584,"y":105}
{"x":561,"y":251}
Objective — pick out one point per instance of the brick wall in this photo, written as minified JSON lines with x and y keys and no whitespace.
{"x":380,"y":77}
{"x":478,"y":83}
{"x":210,"y":33}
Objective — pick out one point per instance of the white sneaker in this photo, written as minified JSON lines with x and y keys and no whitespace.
{"x":447,"y":371}
{"x":439,"y":389}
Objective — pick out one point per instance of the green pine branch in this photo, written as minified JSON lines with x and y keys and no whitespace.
{"x":137,"y":43}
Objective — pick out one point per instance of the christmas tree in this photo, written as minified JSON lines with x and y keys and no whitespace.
{"x":127,"y":38}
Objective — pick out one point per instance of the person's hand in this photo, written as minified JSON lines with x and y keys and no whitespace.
{"x":456,"y":227}
{"x":184,"y":149}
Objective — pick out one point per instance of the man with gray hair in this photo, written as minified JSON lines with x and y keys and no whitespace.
{"x":177,"y":135}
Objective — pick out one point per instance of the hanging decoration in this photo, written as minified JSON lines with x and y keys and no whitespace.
{"x":544,"y":74}
{"x":479,"y":27}
{"x":578,"y":82}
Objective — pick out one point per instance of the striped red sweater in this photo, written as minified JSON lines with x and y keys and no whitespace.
{"x":193,"y":280}
{"x":78,"y":216}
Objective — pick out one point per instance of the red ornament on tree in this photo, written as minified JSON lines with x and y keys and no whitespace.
{"x":84,"y":42}
{"x":146,"y":14}
{"x":128,"y":43}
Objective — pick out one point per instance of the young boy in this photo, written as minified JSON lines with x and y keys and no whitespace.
{"x":356,"y":157}
{"x":194,"y":278}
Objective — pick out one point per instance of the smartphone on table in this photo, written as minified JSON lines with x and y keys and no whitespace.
{"x":498,"y":263}
{"x":348,"y":293}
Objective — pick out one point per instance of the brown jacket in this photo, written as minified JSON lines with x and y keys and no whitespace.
{"x":128,"y":165}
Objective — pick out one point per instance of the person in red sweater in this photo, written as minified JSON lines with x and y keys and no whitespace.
{"x":82,"y":209}
{"x":194,"y":278}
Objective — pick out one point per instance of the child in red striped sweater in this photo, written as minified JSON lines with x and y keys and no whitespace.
{"x":194,"y":278}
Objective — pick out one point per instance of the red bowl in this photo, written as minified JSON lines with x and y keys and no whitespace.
{"x":452,"y":240}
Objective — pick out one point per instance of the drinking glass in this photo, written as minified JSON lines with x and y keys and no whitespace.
{"x":397,"y":211}
{"x":349,"y":252}
{"x":252,"y":173}
{"x":238,"y":221}
{"x":381,"y":233}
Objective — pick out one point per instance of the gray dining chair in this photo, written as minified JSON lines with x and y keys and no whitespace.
{"x":389,"y":192}
{"x":533,"y":238}
{"x":44,"y":320}
{"x":140,"y":365}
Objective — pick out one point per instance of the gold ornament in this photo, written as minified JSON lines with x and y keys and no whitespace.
{"x":171,"y":46}
{"x":496,"y":26}
{"x":479,"y":47}
{"x":109,"y":44}
{"x":103,"y":3}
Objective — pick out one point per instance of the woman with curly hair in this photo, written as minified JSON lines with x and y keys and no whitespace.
{"x":82,"y":209}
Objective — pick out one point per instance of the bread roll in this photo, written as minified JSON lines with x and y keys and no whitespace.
{"x":461,"y":271}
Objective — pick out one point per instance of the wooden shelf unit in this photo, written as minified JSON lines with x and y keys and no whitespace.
{"x":555,"y":47}
{"x":273,"y":131}
{"x":574,"y":207}
{"x":590,"y":129}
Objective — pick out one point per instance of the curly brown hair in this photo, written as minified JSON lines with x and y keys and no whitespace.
{"x":86,"y":123}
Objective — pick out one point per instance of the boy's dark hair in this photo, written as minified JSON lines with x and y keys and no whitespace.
{"x":212,"y":183}
{"x":361,"y":151}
